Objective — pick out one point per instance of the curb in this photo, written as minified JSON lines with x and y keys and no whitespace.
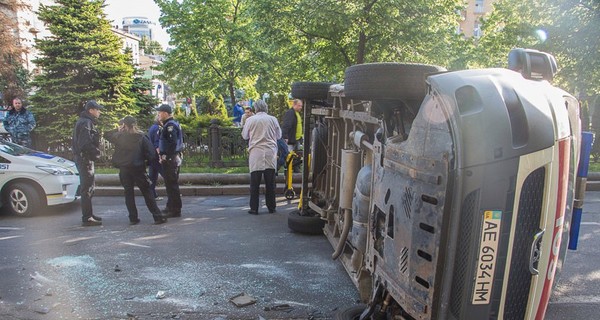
{"x":197,"y":184}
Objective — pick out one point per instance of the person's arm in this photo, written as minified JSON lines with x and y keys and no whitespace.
{"x":30,"y":121}
{"x":246,"y":130}
{"x":288,"y":120}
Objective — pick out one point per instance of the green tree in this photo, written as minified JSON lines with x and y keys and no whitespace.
{"x":151,"y":46}
{"x":317,"y":39}
{"x":82,"y":60}
{"x":213,"y":42}
{"x":13,"y":76}
{"x":145,"y":102}
{"x":567,"y":29}
{"x":573,"y":37}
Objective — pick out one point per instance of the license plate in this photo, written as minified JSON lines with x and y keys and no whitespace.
{"x":486,"y":263}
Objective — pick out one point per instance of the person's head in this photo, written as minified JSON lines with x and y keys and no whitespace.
{"x":248,"y":111}
{"x":164,"y":112}
{"x":261,"y":106}
{"x":17,"y":104}
{"x":128,"y":124}
{"x":297,"y":105}
{"x":93,"y":108}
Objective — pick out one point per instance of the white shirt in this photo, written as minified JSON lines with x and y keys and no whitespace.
{"x":263,"y":131}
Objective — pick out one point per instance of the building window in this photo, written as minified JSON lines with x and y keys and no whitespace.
{"x":479,"y":6}
{"x":476,"y":30}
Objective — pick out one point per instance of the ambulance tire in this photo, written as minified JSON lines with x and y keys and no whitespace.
{"x":305,"y":224}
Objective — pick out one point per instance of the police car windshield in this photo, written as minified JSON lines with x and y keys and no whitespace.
{"x":14,"y":149}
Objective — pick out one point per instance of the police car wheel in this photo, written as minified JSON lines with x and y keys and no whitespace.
{"x":22,"y":199}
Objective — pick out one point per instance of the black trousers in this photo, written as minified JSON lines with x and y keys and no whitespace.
{"x":136,"y":176}
{"x":154,"y":169}
{"x":86,"y":186}
{"x":255,"y":180}
{"x":171,"y":176}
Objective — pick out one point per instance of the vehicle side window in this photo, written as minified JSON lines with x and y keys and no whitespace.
{"x":4,"y":160}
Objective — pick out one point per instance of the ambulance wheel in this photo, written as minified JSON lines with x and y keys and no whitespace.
{"x":22,"y":199}
{"x":388,"y":81}
{"x":307,"y":224}
{"x":310,"y":90}
{"x":350,"y":313}
{"x":289,"y":194}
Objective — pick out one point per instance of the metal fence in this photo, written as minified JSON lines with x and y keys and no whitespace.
{"x":206,"y":147}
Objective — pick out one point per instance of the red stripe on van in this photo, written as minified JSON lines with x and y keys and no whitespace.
{"x":564,"y":146}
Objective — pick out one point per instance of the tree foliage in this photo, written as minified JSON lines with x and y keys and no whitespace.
{"x":81,"y":61}
{"x":151,"y":47}
{"x":13,"y":76}
{"x":213,"y":44}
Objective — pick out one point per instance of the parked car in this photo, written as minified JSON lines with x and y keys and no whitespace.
{"x":31,"y":180}
{"x":446,"y":195}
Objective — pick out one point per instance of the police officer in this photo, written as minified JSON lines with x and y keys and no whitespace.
{"x":86,"y":149}
{"x":19,"y":122}
{"x":170,"y":146}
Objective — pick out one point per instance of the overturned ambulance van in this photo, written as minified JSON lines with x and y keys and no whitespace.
{"x":445,"y":195}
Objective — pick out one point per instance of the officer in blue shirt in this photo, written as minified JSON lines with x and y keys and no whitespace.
{"x":170,"y":145}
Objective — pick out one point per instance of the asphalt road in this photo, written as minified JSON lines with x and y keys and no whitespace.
{"x":52,"y":268}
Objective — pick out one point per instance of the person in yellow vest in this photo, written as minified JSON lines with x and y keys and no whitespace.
{"x":292,"y":126}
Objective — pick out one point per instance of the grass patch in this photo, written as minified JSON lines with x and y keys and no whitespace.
{"x":594,"y":167}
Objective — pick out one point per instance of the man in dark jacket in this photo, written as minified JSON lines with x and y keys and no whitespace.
{"x":170,"y":146}
{"x":18,"y":123}
{"x":133,"y":150}
{"x":292,"y":126}
{"x":86,"y":149}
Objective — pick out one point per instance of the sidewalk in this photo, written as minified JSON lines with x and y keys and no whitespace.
{"x":197,"y":184}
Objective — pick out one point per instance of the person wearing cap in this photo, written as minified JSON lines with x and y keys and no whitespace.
{"x":19,"y":122}
{"x":86,"y":150}
{"x":170,"y":145}
{"x":133,"y":150}
{"x":262,"y":131}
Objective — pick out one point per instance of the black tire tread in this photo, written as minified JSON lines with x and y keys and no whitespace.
{"x":310,"y":90}
{"x":305,"y":224}
{"x":388,"y":81}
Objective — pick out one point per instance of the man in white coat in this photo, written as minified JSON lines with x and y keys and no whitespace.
{"x":262,"y":132}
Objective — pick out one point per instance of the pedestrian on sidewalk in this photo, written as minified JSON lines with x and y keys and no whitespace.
{"x":133,"y":150}
{"x":154,"y":167}
{"x":86,"y":150}
{"x":262,"y":131}
{"x":170,"y":146}
{"x":19,"y":122}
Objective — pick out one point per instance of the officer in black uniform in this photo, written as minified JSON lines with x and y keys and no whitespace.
{"x":86,"y":149}
{"x":170,"y":146}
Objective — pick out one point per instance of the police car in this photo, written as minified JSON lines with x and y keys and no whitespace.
{"x":31,"y":180}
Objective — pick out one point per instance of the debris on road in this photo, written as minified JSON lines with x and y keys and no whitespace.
{"x":280,"y":307}
{"x":161,"y":295}
{"x":242,"y":300}
{"x":117,"y":269}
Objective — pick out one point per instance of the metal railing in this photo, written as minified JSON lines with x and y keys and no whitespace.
{"x":216,"y":147}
